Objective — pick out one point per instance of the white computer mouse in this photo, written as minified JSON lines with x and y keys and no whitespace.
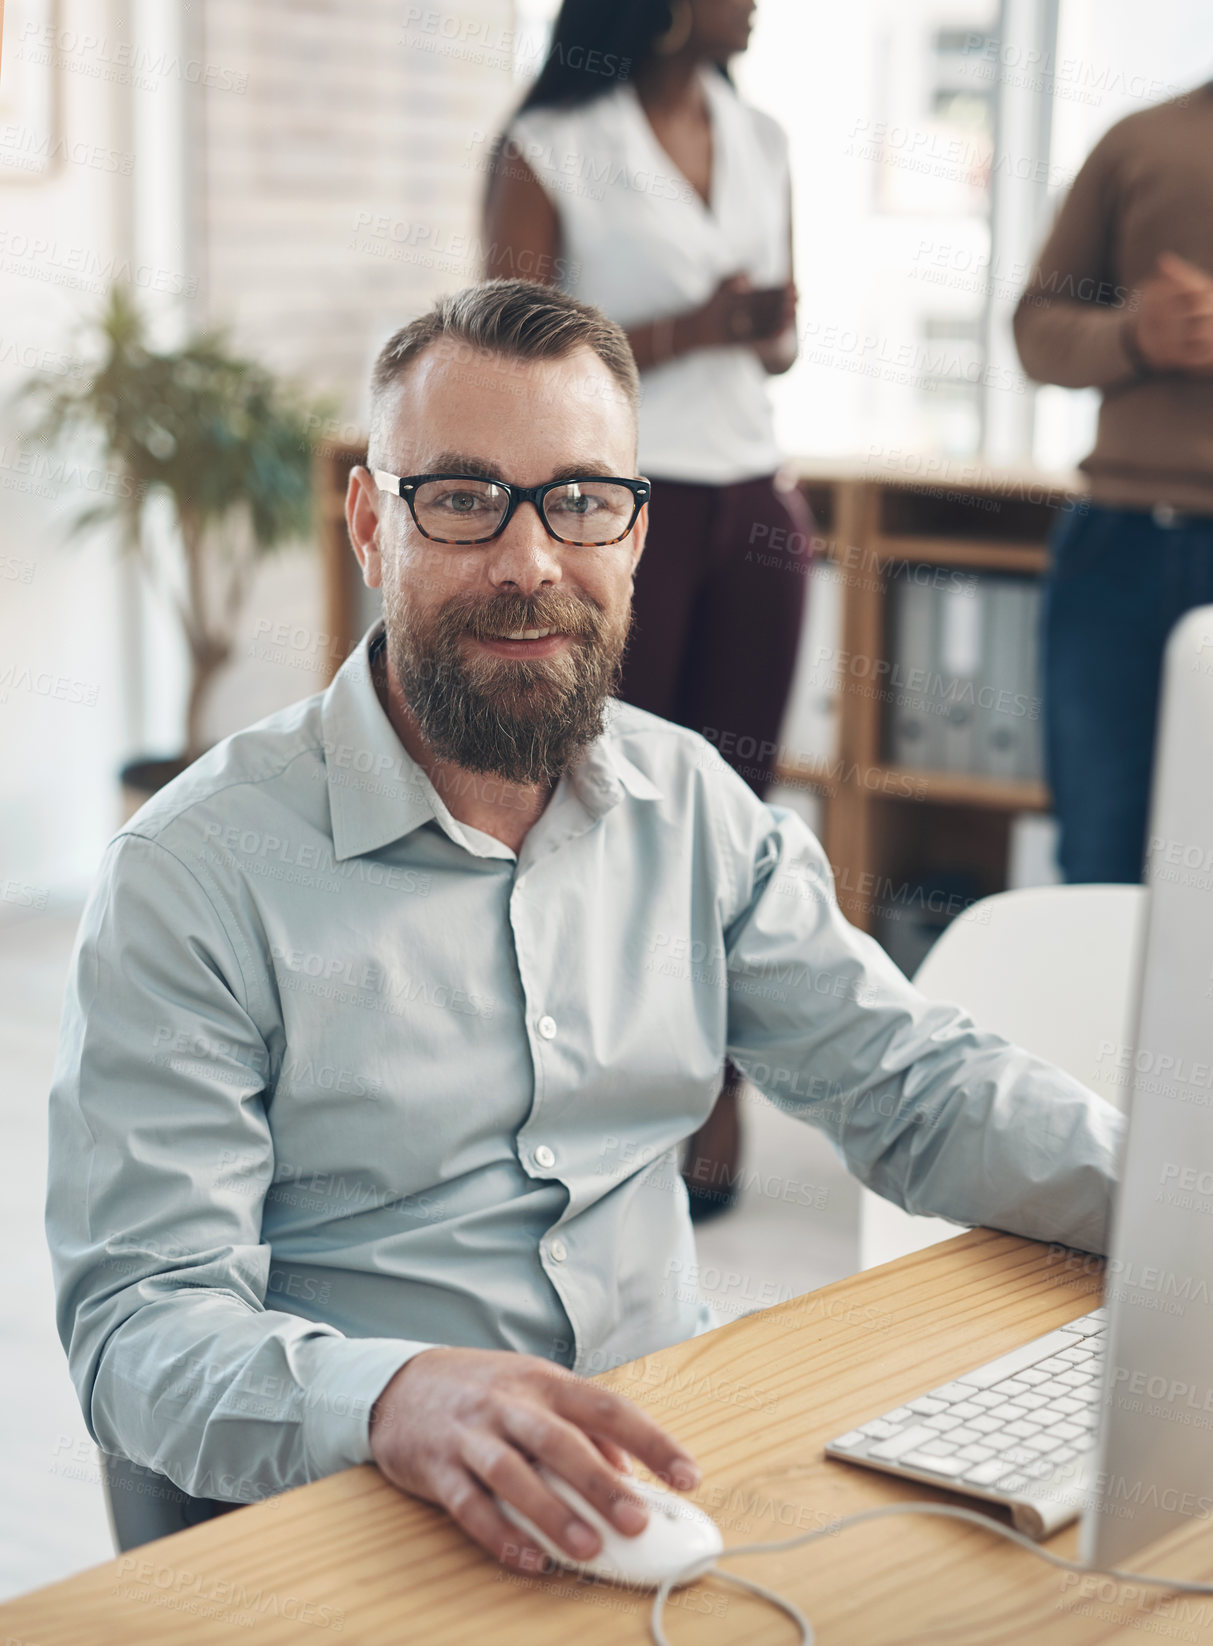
{"x":678,"y":1535}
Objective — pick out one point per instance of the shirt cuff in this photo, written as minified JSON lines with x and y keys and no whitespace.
{"x":349,"y":1376}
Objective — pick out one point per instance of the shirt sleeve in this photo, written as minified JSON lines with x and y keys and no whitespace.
{"x":927,"y":1109}
{"x":1070,"y":321}
{"x":160,"y":1268}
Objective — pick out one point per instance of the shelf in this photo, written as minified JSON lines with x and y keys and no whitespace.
{"x":958,"y":789}
{"x":825,"y":776}
{"x":977,"y":556}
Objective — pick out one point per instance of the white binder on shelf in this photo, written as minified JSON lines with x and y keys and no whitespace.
{"x":960,"y":649}
{"x":810,"y":722}
{"x":914,"y":732}
{"x":1002,"y":707}
{"x":1033,"y":761}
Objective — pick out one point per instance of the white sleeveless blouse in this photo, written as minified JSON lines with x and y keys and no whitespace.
{"x":638,"y":241}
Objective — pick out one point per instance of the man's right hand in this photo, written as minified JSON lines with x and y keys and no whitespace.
{"x":460,"y":1426}
{"x":1173,"y":328}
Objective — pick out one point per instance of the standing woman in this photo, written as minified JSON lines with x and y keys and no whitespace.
{"x":635,"y":177}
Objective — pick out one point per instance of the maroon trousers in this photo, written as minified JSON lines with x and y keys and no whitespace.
{"x":718,"y":604}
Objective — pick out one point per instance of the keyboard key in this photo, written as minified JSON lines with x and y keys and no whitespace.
{"x":853,"y":1437}
{"x":1030,"y":1354}
{"x":900,"y":1414}
{"x":1019,"y":1455}
{"x":927,"y":1405}
{"x":987,"y":1398}
{"x":1066,"y":1403}
{"x":938,"y":1448}
{"x":1033,"y":1378}
{"x":951,"y":1391}
{"x":976,"y":1454}
{"x":985,"y":1425}
{"x":949,"y":1466}
{"x":1076,"y":1356}
{"x":1075,"y":1379}
{"x":964,"y":1408}
{"x":1011,"y":1386}
{"x":966,"y":1435}
{"x":879,"y":1429}
{"x":1052,"y":1390}
{"x":1001,"y":1442}
{"x":1022,"y":1428}
{"x":1044,"y":1443}
{"x":1007,"y":1413}
{"x":1029,"y":1402}
{"x":988,"y":1474}
{"x":942,"y":1422}
{"x":907,"y":1440}
{"x":1054,"y":1364}
{"x":1066,"y":1431}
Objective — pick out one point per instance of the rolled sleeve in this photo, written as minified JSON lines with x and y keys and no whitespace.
{"x":160,"y":1155}
{"x":927,"y":1109}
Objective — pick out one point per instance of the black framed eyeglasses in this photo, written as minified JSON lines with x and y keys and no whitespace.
{"x":588,"y":511}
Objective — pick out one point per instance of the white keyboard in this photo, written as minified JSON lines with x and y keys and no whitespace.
{"x":1020,"y":1430}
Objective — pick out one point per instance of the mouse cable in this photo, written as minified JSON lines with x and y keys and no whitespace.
{"x":947,"y":1510}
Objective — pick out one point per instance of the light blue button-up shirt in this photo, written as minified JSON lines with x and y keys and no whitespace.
{"x":341,"y":1077}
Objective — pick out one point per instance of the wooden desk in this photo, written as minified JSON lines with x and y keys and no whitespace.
{"x":350,"y":1559}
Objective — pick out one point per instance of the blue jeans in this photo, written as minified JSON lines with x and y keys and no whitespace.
{"x":1117,"y":584}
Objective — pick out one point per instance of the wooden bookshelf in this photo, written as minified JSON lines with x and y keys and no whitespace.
{"x":886,"y":825}
{"x":883,"y":824}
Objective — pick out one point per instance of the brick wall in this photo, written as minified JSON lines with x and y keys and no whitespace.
{"x":338,"y":192}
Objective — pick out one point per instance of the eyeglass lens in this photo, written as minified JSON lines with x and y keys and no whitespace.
{"x":585,"y":512}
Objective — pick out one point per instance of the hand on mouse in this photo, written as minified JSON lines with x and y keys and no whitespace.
{"x":460,"y":1426}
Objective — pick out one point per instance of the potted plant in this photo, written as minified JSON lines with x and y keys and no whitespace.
{"x":226,"y":443}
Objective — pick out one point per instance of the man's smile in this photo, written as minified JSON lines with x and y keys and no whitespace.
{"x":545,"y":644}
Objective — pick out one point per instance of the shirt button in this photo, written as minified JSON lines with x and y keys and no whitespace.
{"x":547,"y":1027}
{"x":544,"y":1156}
{"x":557,"y":1251}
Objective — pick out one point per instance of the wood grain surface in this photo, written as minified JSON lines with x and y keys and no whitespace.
{"x":349,"y":1559}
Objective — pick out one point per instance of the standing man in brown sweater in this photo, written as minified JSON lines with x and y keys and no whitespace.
{"x":1121,"y":300}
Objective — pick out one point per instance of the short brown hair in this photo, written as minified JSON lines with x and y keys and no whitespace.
{"x":522,"y":319}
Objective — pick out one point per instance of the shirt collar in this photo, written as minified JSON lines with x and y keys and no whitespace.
{"x":377,"y":791}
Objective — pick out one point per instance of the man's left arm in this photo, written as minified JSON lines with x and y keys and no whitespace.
{"x":933,"y":1113}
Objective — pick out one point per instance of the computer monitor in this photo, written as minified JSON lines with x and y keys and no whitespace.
{"x":1155,"y":1453}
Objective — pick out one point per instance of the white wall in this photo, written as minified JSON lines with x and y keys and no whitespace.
{"x":308,"y":173}
{"x":61,"y":705}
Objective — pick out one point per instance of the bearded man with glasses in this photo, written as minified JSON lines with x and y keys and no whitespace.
{"x":390,"y":1016}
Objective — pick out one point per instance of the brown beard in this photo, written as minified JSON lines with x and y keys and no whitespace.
{"x":525,"y":722}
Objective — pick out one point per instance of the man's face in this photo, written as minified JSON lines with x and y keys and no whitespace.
{"x":520,"y":709}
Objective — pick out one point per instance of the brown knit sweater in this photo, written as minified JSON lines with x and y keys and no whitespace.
{"x":1147,"y":187}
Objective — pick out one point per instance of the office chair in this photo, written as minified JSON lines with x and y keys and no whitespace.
{"x":142,"y":1505}
{"x":1050,"y":968}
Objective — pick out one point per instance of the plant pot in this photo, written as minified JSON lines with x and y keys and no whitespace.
{"x":141,"y":779}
